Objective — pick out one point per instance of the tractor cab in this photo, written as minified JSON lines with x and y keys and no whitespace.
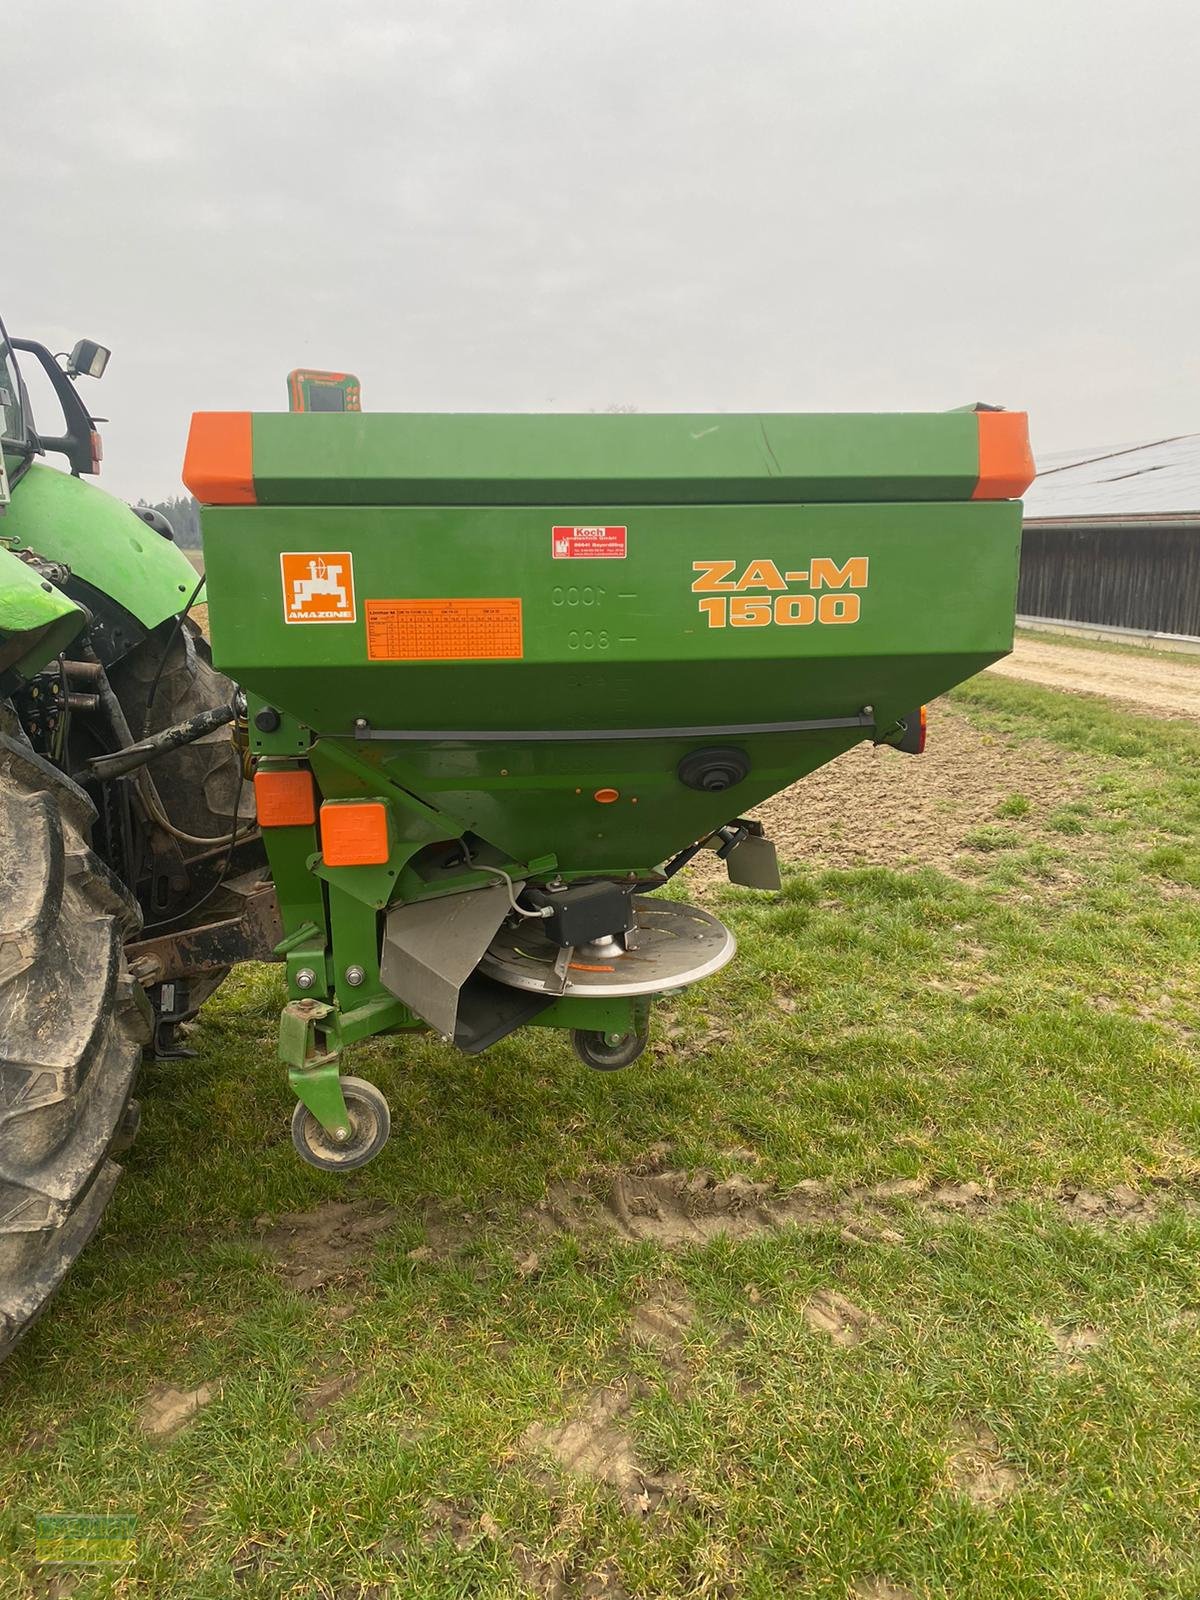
{"x":79,"y":441}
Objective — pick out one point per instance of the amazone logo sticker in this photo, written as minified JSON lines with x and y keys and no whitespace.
{"x":730,"y":599}
{"x":318,"y":585}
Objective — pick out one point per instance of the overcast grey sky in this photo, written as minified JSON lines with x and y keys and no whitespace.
{"x":566,"y":204}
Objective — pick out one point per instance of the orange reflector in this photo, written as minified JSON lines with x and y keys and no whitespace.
{"x":606,"y":796}
{"x":285,"y":799}
{"x":354,"y":833}
{"x":218,"y":466}
{"x":1006,"y":465}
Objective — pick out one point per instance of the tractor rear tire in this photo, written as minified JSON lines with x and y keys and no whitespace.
{"x":168,"y":678}
{"x":201,"y":781}
{"x":200,"y":784}
{"x":72,"y":1026}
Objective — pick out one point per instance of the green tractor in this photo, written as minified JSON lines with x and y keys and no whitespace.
{"x":128,"y":883}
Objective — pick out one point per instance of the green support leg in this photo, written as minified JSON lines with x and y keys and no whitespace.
{"x":320,"y":1088}
{"x":312,"y":1065}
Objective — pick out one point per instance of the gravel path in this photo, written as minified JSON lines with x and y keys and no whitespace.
{"x":1168,"y":685}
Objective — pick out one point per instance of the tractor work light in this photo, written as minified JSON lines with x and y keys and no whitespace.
{"x":87,"y":360}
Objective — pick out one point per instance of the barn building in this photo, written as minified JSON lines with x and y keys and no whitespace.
{"x":1112,"y":542}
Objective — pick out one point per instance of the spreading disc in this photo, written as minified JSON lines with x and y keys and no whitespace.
{"x":673,"y":945}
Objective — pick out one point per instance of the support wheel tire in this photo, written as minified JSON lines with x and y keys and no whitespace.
{"x":370,"y":1124}
{"x":605,"y":1052}
{"x":72,"y":1026}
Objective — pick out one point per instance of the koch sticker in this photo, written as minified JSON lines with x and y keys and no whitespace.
{"x":318,"y":585}
{"x":595,"y":544}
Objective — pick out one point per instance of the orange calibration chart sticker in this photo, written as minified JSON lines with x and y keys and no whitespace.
{"x":444,"y":630}
{"x":318,"y":585}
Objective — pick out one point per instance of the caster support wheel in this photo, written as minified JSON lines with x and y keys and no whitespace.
{"x":607,"y":1052}
{"x":370,"y":1124}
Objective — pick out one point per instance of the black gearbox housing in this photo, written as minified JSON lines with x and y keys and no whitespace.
{"x":584,"y":912}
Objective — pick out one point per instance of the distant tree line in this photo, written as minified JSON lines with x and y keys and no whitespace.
{"x":182,"y":512}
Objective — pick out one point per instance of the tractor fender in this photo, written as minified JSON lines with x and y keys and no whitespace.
{"x":36,"y":620}
{"x":104,"y":542}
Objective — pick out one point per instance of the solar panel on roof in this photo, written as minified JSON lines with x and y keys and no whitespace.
{"x":1160,"y":478}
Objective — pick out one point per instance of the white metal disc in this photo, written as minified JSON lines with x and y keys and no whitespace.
{"x":675,"y":945}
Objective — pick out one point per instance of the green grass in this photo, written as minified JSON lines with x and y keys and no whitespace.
{"x":877,"y":1024}
{"x":1014,"y":805}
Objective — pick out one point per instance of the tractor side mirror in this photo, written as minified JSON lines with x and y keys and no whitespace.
{"x":87,"y":360}
{"x":79,"y":441}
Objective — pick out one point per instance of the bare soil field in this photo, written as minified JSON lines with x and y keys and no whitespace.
{"x":875,"y":807}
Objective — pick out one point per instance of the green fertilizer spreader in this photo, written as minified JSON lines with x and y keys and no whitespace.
{"x":506,"y":675}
